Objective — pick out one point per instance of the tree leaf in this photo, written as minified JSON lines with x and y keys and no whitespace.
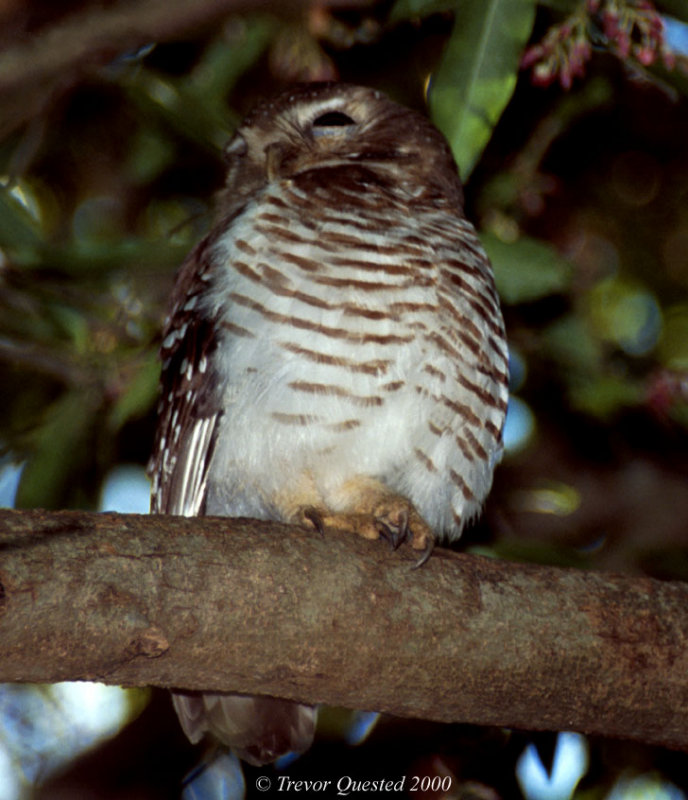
{"x":478,"y":73}
{"x":140,"y":394}
{"x":53,"y":476}
{"x":20,"y":234}
{"x":527,"y":269}
{"x":603,"y":396}
{"x":194,"y":106}
{"x":415,"y":9}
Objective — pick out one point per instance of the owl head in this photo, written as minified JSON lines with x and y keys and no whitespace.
{"x":326,"y":126}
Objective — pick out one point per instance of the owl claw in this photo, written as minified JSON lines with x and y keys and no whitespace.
{"x":400,"y":524}
{"x":397,"y":532}
{"x":396,"y":522}
{"x":315,"y":517}
{"x":427,"y":552}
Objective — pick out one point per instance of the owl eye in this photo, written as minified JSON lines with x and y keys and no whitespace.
{"x":323,"y":124}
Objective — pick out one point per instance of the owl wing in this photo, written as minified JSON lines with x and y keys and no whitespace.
{"x":189,"y":408}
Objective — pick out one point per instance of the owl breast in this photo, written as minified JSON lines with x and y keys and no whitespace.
{"x":360,"y":334}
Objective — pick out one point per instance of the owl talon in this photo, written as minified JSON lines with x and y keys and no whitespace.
{"x":397,"y":532}
{"x":427,"y":552}
{"x":315,"y":517}
{"x":379,"y":515}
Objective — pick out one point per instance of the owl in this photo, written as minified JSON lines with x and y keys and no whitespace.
{"x":335,"y":353}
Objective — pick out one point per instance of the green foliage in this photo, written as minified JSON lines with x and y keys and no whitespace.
{"x":84,"y":303}
{"x":417,"y":9}
{"x":61,"y":452}
{"x":571,"y":344}
{"x":673,"y":345}
{"x":140,"y":392}
{"x":478,"y":73}
{"x":193,"y":105}
{"x":20,"y":235}
{"x":526,"y":269}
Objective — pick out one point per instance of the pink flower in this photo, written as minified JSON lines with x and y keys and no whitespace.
{"x":531,"y":55}
{"x":645,"y":54}
{"x":543,"y":74}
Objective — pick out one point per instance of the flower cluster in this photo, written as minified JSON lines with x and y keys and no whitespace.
{"x":629,"y":28}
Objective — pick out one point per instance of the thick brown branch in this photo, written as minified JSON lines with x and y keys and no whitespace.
{"x":239,"y":605}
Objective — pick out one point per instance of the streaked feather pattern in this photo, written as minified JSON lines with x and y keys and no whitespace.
{"x":336,"y":337}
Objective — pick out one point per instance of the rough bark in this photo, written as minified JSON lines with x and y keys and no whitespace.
{"x":240,"y":605}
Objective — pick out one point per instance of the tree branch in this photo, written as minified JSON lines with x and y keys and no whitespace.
{"x":40,"y":67}
{"x":98,"y":33}
{"x":256,"y":607}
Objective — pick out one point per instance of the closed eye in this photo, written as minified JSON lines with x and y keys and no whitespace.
{"x":331,"y":119}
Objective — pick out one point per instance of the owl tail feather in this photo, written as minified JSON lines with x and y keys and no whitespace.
{"x":258,"y":729}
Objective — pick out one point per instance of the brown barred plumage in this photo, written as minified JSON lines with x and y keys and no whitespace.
{"x":335,"y":354}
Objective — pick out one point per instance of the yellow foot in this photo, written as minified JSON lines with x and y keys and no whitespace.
{"x":387,"y":516}
{"x":399,"y":522}
{"x":361,"y":524}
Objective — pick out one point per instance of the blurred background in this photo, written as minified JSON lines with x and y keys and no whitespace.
{"x":569,"y":120}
